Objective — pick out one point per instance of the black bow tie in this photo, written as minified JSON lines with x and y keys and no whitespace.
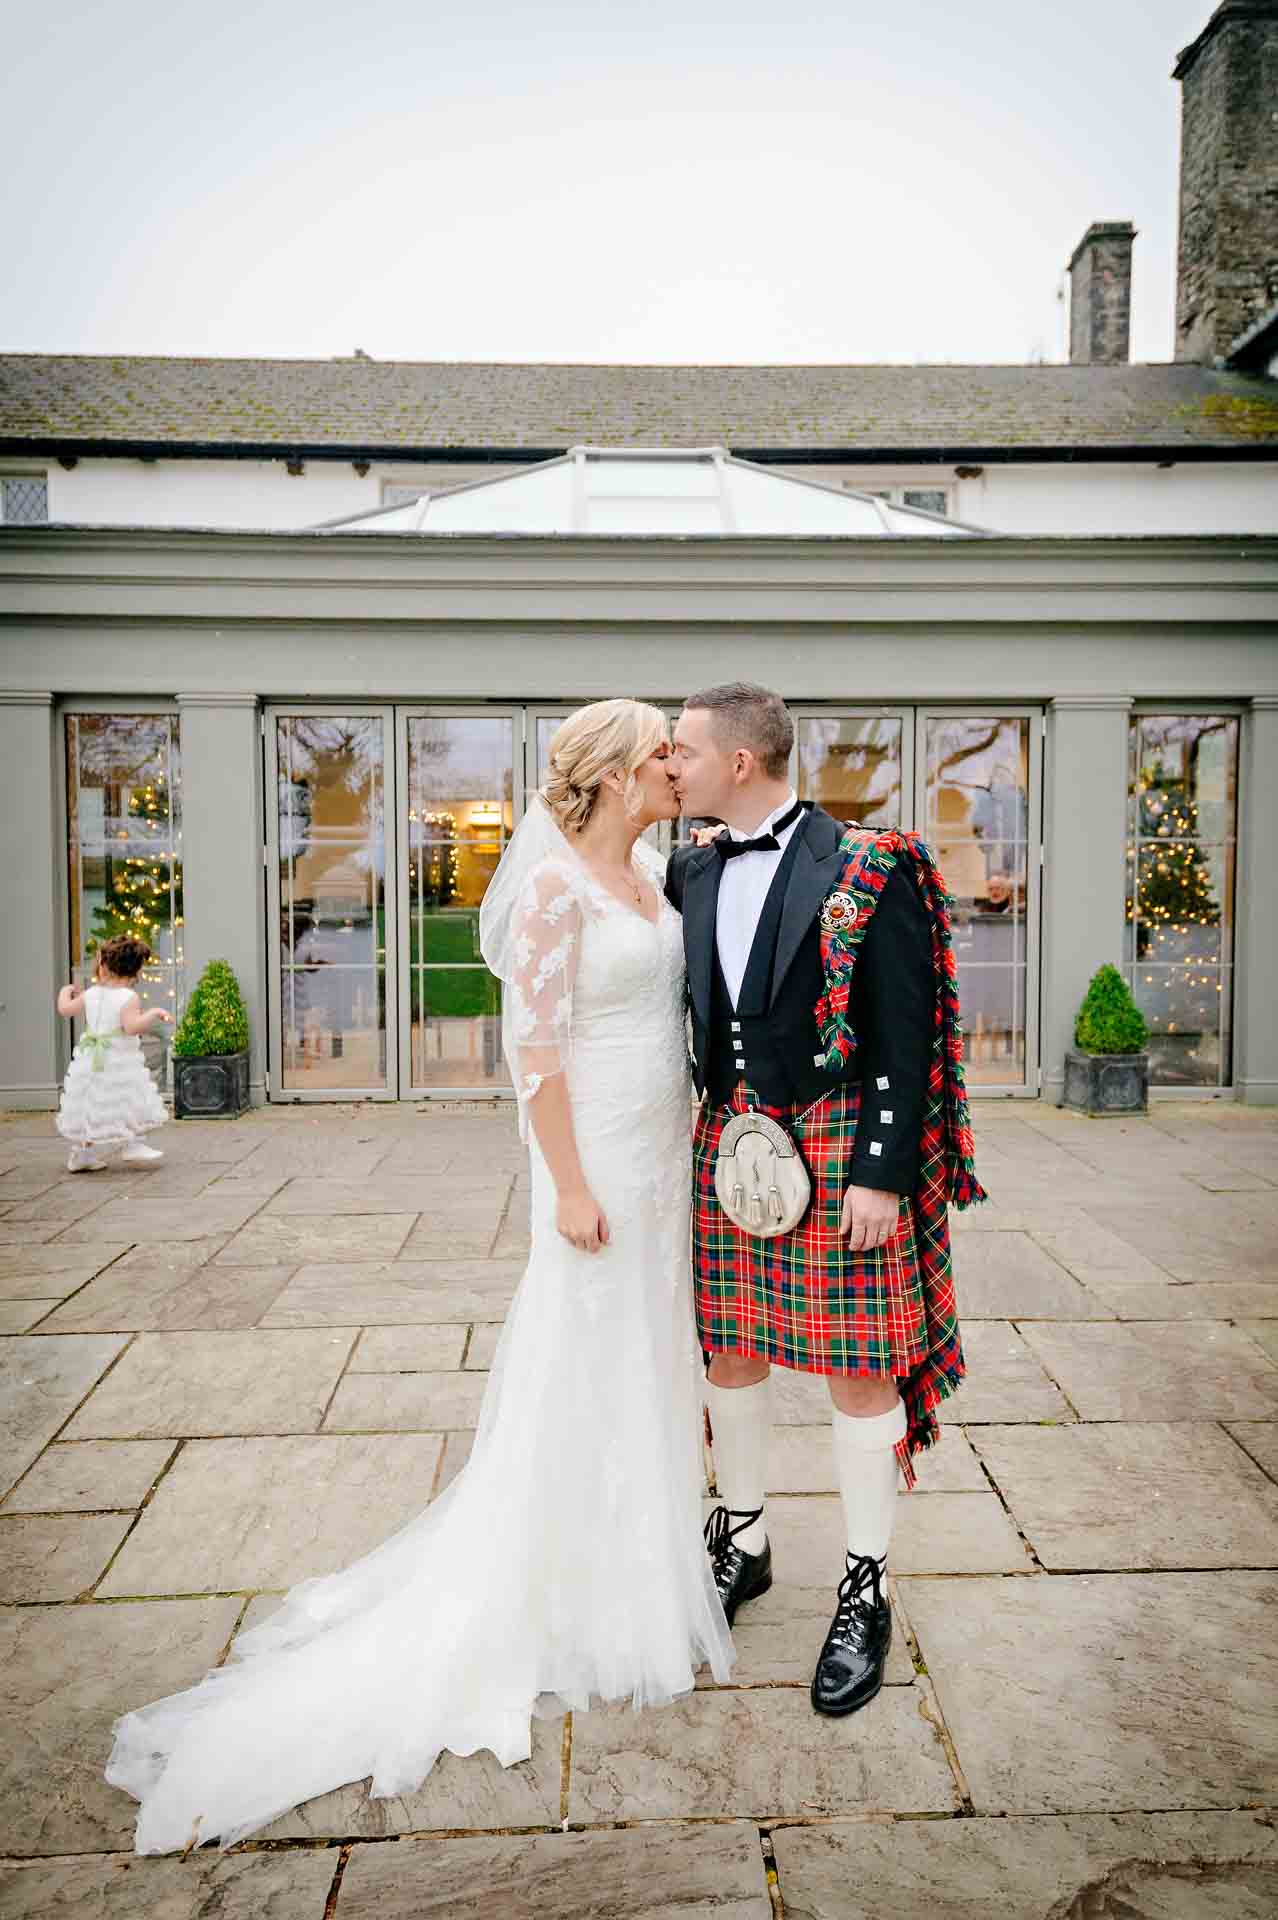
{"x":729,"y":848}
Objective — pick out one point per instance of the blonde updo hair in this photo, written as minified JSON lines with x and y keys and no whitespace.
{"x":606,"y":735}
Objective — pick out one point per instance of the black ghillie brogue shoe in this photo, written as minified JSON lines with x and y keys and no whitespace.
{"x":739,"y":1576}
{"x":850,"y":1670}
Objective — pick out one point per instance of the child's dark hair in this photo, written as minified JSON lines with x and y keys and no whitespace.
{"x":124,"y":955}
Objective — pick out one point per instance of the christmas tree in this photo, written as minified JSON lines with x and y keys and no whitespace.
{"x":438,"y":856}
{"x":1174,"y":891}
{"x":137,"y":898}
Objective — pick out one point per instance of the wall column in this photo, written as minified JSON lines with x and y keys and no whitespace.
{"x":222,"y":870}
{"x":33,"y":964}
{"x":1256,"y":909}
{"x":1084,"y":877}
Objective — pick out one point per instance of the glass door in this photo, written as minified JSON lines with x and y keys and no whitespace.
{"x":460,"y":779}
{"x":334,"y":968}
{"x":856,"y":763}
{"x":978,"y":790}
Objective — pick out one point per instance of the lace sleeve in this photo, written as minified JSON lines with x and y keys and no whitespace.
{"x":547,"y":940}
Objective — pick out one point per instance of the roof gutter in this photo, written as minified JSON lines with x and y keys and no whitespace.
{"x":942,"y":456}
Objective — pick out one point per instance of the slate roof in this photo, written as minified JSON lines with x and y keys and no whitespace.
{"x":415,"y":408}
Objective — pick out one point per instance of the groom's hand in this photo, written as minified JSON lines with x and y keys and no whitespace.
{"x":869,"y":1218}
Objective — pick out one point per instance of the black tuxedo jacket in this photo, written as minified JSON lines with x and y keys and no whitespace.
{"x":893,"y":994}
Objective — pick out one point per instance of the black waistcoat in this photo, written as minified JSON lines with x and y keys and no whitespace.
{"x":778,"y":1038}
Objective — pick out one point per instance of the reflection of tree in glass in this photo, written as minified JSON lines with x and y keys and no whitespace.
{"x":943,"y":769}
{"x":1173,"y":884}
{"x":138,"y":899}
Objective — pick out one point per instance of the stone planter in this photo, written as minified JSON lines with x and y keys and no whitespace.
{"x":1105,"y":1083}
{"x":210,"y":1086}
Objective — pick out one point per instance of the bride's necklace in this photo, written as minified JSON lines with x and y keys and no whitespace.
{"x":629,"y":881}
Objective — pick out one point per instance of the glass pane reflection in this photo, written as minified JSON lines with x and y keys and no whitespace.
{"x":852,"y":768}
{"x":977,"y":825}
{"x":1182,"y":798}
{"x":124,"y":825}
{"x":460,"y":816}
{"x":332,"y":901}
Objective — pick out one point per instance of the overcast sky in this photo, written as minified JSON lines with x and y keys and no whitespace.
{"x":578,"y":180}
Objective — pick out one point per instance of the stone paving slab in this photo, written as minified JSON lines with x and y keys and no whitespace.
{"x":440,"y":1195}
{"x":656,"y":1873}
{"x":1202,"y":1371}
{"x":1139,"y":1495}
{"x":1009,"y":1276}
{"x":759,"y":1752}
{"x":65,"y":1674}
{"x":425,"y":1349}
{"x":1263,"y":1332}
{"x":475,"y":1793}
{"x":934,"y":1533}
{"x":388,"y":1294}
{"x":1166,"y":1698}
{"x":138,"y":1220}
{"x":120,"y":1886}
{"x":89,"y":1476}
{"x":21,"y":1316}
{"x":1156,"y":1866}
{"x":1183,"y":1299}
{"x":481,"y":1348}
{"x":1260,"y":1439}
{"x":56,"y":1556}
{"x":276,"y":1240}
{"x":169,"y":1298}
{"x":42,"y":1381}
{"x":405,"y":1402}
{"x":241,"y":1514}
{"x":25,"y":1271}
{"x":1005,"y":1378}
{"x":217,"y":1383}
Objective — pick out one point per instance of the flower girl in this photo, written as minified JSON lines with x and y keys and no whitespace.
{"x":109,"y":1097}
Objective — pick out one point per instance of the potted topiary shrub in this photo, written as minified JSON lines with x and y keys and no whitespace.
{"x":1107,"y":1068}
{"x":210,"y":1049}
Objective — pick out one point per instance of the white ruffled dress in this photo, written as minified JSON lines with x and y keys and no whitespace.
{"x":109,"y":1094}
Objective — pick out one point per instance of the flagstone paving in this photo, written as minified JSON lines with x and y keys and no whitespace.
{"x":254,"y":1361}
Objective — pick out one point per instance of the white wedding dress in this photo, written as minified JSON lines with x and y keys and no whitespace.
{"x":565,"y":1563}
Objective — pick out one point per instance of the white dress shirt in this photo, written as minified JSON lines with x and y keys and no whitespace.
{"x":743,"y":888}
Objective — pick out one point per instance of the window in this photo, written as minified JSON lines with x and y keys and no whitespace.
{"x":1181,"y":823}
{"x":124,"y":826}
{"x":24,"y":499}
{"x":930,"y":499}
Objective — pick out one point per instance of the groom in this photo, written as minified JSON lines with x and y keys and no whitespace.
{"x":819,"y":971}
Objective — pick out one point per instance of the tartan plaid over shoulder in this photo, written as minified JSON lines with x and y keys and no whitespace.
{"x":947,"y":1171}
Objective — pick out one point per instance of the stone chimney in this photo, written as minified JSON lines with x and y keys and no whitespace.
{"x":1100,"y":295}
{"x":1228,"y":271}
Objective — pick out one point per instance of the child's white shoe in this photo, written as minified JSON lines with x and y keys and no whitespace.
{"x":137,"y":1152}
{"x":84,"y":1160}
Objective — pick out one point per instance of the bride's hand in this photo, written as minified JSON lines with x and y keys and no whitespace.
{"x":705,"y":836}
{"x":581,"y":1220}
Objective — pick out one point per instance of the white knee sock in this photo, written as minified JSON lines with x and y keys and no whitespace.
{"x":741,"y":1421}
{"x":869,"y":1473}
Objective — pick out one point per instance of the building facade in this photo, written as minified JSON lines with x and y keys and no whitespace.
{"x":304,"y":752}
{"x":277,"y":675}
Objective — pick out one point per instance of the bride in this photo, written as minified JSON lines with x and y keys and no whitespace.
{"x":565,"y":1563}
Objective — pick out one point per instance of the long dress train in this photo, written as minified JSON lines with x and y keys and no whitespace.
{"x":565,"y":1563}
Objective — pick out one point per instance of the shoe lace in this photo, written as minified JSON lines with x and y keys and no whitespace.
{"x":719,"y":1533}
{"x":860,"y":1594}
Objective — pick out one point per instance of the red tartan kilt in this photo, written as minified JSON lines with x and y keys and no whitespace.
{"x":801,"y":1299}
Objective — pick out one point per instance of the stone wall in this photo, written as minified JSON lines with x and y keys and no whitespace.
{"x":1228,"y":272}
{"x":1100,"y":295}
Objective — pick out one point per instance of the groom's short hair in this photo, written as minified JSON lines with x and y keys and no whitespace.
{"x":745,"y":715}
